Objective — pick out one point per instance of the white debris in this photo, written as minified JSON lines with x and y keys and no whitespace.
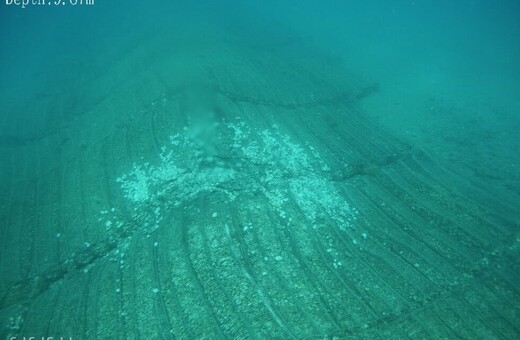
{"x":271,"y":164}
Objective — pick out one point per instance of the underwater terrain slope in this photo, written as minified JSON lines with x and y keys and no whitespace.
{"x":247,"y":197}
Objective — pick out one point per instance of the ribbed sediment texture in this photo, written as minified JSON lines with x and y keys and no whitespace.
{"x":286,"y":213}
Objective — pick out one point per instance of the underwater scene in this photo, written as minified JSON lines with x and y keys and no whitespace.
{"x":337,"y":169}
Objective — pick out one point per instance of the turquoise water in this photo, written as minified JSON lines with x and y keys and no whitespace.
{"x":259,"y":169}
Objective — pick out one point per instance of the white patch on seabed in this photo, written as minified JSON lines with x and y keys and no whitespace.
{"x":265,"y":161}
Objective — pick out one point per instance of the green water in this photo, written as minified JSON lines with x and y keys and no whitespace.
{"x":264,"y":170}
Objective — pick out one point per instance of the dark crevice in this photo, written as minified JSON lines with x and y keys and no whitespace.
{"x":367,"y":168}
{"x":24,"y":290}
{"x":350,"y":98}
